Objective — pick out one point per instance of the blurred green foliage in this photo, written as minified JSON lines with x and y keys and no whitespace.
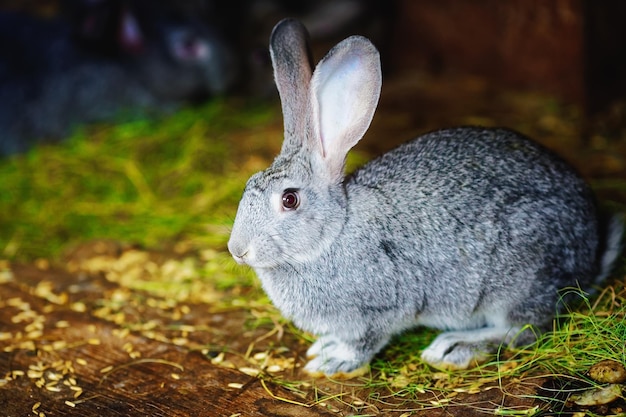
{"x":150,"y":182}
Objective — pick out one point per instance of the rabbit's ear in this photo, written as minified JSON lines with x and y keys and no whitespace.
{"x":344,"y":91}
{"x":291,"y":59}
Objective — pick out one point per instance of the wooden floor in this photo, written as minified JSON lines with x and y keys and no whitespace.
{"x":58,"y":358}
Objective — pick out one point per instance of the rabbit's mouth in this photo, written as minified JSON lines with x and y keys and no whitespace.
{"x":239,"y":259}
{"x":249,"y":257}
{"x":241,"y":255}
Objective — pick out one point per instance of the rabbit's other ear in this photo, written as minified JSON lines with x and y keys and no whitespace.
{"x":345,"y":89}
{"x":291,"y":59}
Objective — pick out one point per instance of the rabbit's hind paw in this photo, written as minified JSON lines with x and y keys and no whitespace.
{"x":463,"y":349}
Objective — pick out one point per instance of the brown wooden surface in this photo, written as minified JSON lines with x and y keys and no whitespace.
{"x":55,"y":352}
{"x":570,"y":48}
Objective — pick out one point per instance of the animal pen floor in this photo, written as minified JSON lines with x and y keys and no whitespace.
{"x":77,"y":338}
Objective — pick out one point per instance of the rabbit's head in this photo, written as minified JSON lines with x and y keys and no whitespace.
{"x":292,"y":211}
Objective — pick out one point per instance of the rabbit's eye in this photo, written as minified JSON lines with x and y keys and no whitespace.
{"x":291,"y":199}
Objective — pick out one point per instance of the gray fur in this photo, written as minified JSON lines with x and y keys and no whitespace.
{"x":470,"y":230}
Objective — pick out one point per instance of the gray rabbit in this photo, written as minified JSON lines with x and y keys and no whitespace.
{"x":470,"y":230}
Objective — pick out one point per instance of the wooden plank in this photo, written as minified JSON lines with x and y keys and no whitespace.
{"x":57,"y":359}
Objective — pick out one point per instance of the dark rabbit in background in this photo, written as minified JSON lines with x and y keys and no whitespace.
{"x":99,"y":59}
{"x":474,"y":231}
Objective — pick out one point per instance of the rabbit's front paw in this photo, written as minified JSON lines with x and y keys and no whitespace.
{"x":323,"y":343}
{"x":332,"y":357}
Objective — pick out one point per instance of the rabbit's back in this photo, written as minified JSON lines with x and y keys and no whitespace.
{"x":485,"y":216}
{"x":473,"y":157}
{"x":477,"y":170}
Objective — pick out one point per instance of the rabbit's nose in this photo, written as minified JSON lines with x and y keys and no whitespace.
{"x":239,"y":253}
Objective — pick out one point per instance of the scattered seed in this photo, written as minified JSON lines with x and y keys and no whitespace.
{"x":27,"y":345}
{"x":5,"y":276}
{"x":175,"y":376}
{"x":53,"y":376}
{"x":119,"y":318}
{"x":36,"y":406}
{"x":121,"y":333}
{"x":33,"y":374}
{"x":53,"y":388}
{"x":42,"y":264}
{"x":151,"y":325}
{"x":59,"y":344}
{"x":441,"y":401}
{"x":249,"y":371}
{"x":274,"y":368}
{"x":235,"y":385}
{"x":93,"y":341}
{"x":69,"y":366}
{"x":62,"y":324}
{"x":106,"y":369}
{"x":218,"y":359}
{"x":187,"y":328}
{"x":71,"y":404}
{"x":18,"y":302}
{"x":33,"y":327}
{"x":79,"y":307}
{"x":180,"y":341}
{"x":81,"y":361}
